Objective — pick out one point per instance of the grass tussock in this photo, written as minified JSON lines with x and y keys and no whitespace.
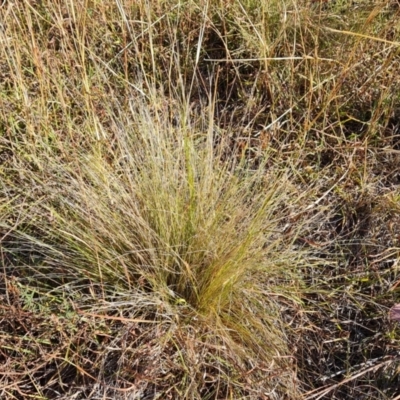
{"x":199,"y":200}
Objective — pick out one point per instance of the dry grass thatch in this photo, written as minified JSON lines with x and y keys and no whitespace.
{"x":199,"y":200}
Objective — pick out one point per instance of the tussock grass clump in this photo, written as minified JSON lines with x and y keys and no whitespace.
{"x":167,"y":218}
